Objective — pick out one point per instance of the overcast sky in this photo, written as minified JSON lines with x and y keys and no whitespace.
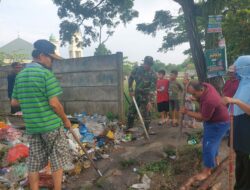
{"x":36,"y":19}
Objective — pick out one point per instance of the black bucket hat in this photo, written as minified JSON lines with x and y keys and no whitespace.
{"x":46,"y":47}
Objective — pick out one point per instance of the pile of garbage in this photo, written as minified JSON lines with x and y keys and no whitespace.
{"x":97,"y":134}
{"x":14,"y":150}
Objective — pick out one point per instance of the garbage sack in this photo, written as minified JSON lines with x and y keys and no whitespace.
{"x":3,"y":131}
{"x":68,"y":167}
{"x":2,"y":124}
{"x":96,"y":128}
{"x":13,"y":134}
{"x":73,"y":146}
{"x":101,"y":141}
{"x":3,"y":171}
{"x":88,"y":138}
{"x":70,"y":136}
{"x":118,"y":136}
{"x":45,"y":180}
{"x":83,"y":129}
{"x":6,"y":183}
{"x":145,"y":185}
{"x":17,"y":172}
{"x":17,"y":152}
{"x":86,"y":135}
{"x":110,"y":135}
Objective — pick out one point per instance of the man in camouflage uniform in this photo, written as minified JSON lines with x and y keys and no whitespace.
{"x":145,"y":80}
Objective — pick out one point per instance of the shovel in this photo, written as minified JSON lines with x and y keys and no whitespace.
{"x":231,"y":151}
{"x":141,"y":119}
{"x":85,"y":151}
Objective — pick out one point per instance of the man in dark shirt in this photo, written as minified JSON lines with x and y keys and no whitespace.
{"x":215,"y":119}
{"x":16,"y":68}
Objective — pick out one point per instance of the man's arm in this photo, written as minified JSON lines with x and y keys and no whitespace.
{"x":152,"y":88}
{"x":131,"y":81}
{"x":245,"y":107}
{"x":10,"y":86}
{"x":58,"y":109}
{"x":198,"y":115}
{"x":14,"y":103}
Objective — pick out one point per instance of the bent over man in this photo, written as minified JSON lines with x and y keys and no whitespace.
{"x":215,"y":119}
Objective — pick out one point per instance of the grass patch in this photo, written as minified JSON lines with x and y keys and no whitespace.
{"x":196,"y":135}
{"x":170,"y":151}
{"x":111,"y":116}
{"x":101,"y":182}
{"x":159,"y":167}
{"x":190,"y":159}
{"x":128,"y":163}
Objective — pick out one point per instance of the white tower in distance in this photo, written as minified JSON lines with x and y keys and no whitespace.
{"x":56,"y":42}
{"x":76,"y":51}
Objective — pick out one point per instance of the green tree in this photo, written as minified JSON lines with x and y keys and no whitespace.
{"x":12,"y":57}
{"x":236,"y":27}
{"x":102,"y":50}
{"x":128,"y":66}
{"x":191,"y":26}
{"x":2,"y":57}
{"x":178,"y":30}
{"x":158,"y":65}
{"x":93,"y":16}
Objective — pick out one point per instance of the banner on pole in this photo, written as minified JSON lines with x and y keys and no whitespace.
{"x":215,"y":62}
{"x":214,"y":24}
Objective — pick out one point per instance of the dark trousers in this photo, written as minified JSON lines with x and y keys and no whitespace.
{"x":132,"y":113}
{"x":242,"y":171}
{"x":15,"y":109}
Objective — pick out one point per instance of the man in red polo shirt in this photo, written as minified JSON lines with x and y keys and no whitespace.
{"x":215,"y":119}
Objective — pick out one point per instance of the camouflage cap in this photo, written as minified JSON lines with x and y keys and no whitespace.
{"x":148,"y":60}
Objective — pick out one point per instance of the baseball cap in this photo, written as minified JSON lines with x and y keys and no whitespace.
{"x":148,"y":60}
{"x":46,"y":47}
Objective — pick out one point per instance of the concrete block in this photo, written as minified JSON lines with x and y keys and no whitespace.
{"x":98,"y":63}
{"x":102,"y":93}
{"x":72,"y":107}
{"x":88,"y":79}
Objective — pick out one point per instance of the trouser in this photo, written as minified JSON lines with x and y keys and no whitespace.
{"x":132,"y":112}
{"x":213,"y":134}
{"x":14,"y":109}
{"x":242,"y":171}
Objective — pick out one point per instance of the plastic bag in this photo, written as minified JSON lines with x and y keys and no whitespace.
{"x":17,"y":172}
{"x":96,"y":128}
{"x":86,"y":135}
{"x":3,"y":132}
{"x":145,"y":185}
{"x":13,"y":134}
{"x":17,"y":152}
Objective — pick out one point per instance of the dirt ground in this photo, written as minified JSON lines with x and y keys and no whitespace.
{"x":129,"y":161}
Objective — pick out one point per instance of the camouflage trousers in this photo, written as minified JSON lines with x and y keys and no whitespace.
{"x":132,"y":112}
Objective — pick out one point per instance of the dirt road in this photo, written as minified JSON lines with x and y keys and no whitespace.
{"x":123,"y":168}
